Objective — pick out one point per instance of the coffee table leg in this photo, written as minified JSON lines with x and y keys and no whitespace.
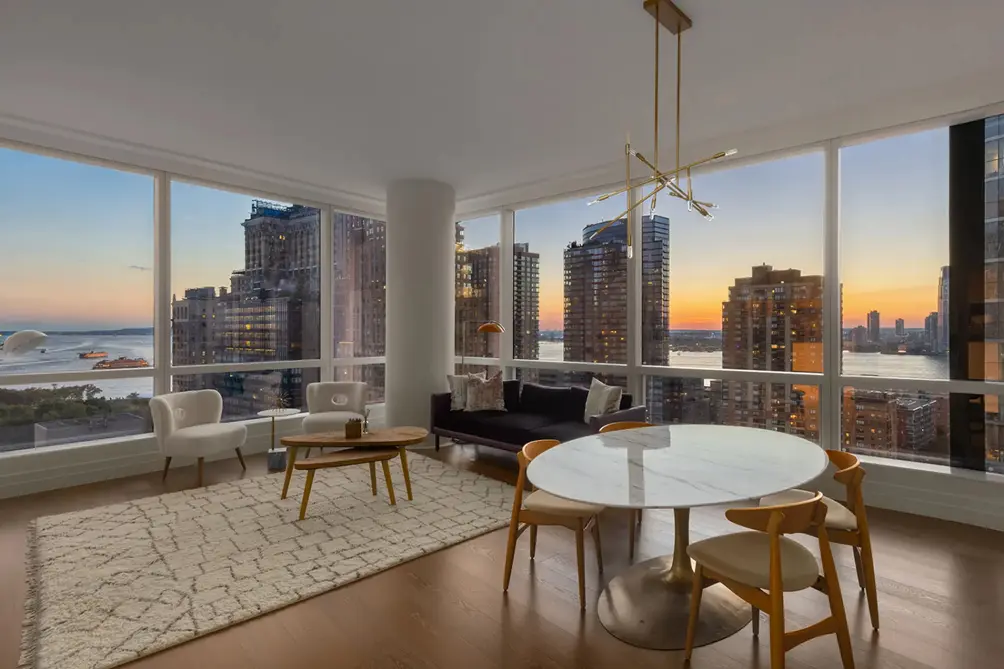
{"x":390,"y":484}
{"x":404,"y":467}
{"x":373,"y":477}
{"x":290,"y":459}
{"x":306,"y":494}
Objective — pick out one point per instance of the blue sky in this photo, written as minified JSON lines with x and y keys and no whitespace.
{"x":77,"y":246}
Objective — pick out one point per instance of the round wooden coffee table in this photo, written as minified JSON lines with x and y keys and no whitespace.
{"x":391,"y":437}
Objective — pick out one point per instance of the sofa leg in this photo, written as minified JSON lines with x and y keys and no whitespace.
{"x":198,"y":481}
{"x":437,"y":442}
{"x":240,"y":456}
{"x":167,"y":465}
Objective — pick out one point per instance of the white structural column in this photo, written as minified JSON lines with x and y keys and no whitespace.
{"x":421,"y":268}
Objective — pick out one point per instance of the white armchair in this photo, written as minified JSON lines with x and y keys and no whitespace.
{"x":330,"y":404}
{"x":188,"y":425}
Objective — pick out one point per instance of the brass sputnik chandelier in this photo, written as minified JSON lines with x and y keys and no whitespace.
{"x":669,"y":15}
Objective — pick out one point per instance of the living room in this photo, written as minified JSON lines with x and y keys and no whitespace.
{"x":456,"y":334}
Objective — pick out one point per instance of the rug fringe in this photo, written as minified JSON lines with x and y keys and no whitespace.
{"x":29,"y":625}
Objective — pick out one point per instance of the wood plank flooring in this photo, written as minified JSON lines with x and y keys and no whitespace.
{"x":941,"y":597}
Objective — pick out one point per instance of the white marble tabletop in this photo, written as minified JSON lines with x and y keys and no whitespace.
{"x":278,"y":413}
{"x":677,"y":466}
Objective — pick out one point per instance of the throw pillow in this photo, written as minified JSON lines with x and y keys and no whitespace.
{"x":458,"y":390}
{"x":485,"y":394}
{"x":602,"y":399}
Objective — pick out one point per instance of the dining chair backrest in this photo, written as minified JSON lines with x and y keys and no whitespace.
{"x":783,"y":518}
{"x":624,"y":425}
{"x":529,"y":451}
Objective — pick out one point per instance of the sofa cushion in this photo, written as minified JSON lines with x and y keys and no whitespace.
{"x":515,"y":428}
{"x":510,"y":393}
{"x":562,"y":431}
{"x":551,"y":401}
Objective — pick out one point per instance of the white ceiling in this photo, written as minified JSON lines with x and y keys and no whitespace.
{"x":487,"y":95}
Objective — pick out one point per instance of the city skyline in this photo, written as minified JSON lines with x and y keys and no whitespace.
{"x":96,"y":236}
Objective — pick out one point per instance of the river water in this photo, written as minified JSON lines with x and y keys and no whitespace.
{"x":855,"y":364}
{"x":62,"y":355}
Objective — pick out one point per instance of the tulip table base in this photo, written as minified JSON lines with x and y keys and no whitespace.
{"x":649,"y":604}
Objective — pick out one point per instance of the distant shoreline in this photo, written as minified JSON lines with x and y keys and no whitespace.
{"x":90,"y":333}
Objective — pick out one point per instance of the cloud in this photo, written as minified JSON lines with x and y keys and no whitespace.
{"x":140,"y":268}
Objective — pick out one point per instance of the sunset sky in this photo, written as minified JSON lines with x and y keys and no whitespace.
{"x":77,"y":240}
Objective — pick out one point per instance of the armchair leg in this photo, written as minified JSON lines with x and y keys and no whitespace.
{"x":198,"y":481}
{"x":167,"y":464}
{"x":437,"y":442}
{"x":240,"y":456}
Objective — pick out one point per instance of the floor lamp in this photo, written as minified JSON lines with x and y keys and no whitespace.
{"x":491,"y":327}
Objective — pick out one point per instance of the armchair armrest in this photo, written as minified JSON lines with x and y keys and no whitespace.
{"x":441,"y":403}
{"x":634,"y":413}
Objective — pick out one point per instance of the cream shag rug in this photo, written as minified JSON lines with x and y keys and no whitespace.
{"x":115,"y":583}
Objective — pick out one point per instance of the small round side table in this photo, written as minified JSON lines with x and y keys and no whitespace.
{"x":273,"y":414}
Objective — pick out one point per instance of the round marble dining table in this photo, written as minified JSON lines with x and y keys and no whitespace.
{"x":675,"y":467}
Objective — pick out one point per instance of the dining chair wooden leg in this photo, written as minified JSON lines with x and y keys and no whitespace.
{"x":240,"y":456}
{"x":836,"y":603}
{"x":198,"y":481}
{"x":599,"y":544}
{"x":510,"y":550}
{"x":632,"y":530}
{"x":857,"y":567}
{"x":390,"y":483}
{"x":695,"y":608}
{"x":776,"y":622}
{"x":373,"y":478}
{"x":533,"y":541}
{"x":290,"y":459}
{"x":306,"y":493}
{"x":756,"y":621}
{"x":167,"y":464}
{"x":871,"y":588}
{"x":404,"y":468}
{"x":580,"y":559}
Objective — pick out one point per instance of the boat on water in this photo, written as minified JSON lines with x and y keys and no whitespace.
{"x":91,"y":355}
{"x":122,"y":363}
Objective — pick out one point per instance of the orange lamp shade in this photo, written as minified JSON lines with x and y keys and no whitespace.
{"x":491,"y":327}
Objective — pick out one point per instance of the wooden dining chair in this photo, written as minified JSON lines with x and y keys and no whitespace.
{"x":846,"y":525}
{"x":635,"y":522}
{"x":543,"y":508}
{"x":761,"y":565}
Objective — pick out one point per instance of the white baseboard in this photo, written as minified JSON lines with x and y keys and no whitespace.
{"x":962,"y":496}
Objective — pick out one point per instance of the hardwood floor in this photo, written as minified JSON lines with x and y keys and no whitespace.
{"x":941,"y":596}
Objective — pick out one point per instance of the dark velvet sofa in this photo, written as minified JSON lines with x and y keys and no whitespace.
{"x":532,"y":412}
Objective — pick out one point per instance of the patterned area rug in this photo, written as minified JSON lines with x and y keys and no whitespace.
{"x":112,"y":584}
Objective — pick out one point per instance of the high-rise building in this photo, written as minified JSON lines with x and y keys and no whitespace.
{"x":525,"y":303}
{"x":478,"y":278}
{"x":270,"y":312}
{"x":874,"y":327}
{"x":595,"y":309}
{"x":359,"y":288}
{"x":477,"y":297}
{"x":876,"y":422}
{"x":859,"y":336}
{"x":943,"y":286}
{"x":773,"y":320}
{"x":596,"y":293}
{"x":932,"y":333}
{"x":900,"y":327}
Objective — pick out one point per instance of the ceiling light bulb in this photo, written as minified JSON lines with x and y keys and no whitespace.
{"x":731,"y":152}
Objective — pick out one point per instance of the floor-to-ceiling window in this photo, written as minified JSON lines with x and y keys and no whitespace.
{"x":76,"y":263}
{"x":477,"y":295}
{"x":246,"y":288}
